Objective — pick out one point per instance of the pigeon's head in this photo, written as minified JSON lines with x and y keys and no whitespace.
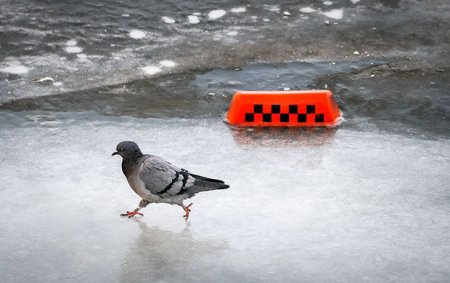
{"x":128,"y":149}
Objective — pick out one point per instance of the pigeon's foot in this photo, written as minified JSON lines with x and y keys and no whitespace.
{"x":131,"y":213}
{"x":187,"y":210}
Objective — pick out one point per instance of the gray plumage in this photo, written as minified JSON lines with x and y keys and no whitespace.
{"x":157,"y":181}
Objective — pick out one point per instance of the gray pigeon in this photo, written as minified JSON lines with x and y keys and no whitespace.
{"x":156,"y":180}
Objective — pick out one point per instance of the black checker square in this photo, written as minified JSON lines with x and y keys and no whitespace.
{"x":301,"y":118}
{"x":249,"y":117}
{"x":276,"y":108}
{"x":319,"y":118}
{"x":293,"y":109}
{"x":258,"y":108}
{"x":284,"y":118}
{"x":310,"y":109}
{"x":267,"y":117}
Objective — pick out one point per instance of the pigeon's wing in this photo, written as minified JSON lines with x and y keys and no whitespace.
{"x":162,"y":178}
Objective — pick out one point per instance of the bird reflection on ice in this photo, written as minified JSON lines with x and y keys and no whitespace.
{"x":159,"y":255}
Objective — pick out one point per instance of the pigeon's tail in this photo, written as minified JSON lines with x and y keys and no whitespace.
{"x":202,"y":184}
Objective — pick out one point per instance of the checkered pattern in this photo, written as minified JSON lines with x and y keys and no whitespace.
{"x":293,"y":115}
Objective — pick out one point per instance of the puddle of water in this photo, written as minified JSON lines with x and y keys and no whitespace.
{"x":402,"y":96}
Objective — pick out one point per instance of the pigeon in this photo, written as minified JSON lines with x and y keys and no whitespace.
{"x":157,"y":181}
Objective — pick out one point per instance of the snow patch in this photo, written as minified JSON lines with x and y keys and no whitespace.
{"x":232,"y":33}
{"x":73,"y":49}
{"x":193,"y":19}
{"x":216,"y":14}
{"x":336,"y":14}
{"x":71,"y":42}
{"x":327,"y":3}
{"x":16,"y":68}
{"x":151,"y":70}
{"x":167,"y":20}
{"x":307,"y":10}
{"x":137,"y":34}
{"x":71,"y":46}
{"x":354,"y":1}
{"x":167,"y":63}
{"x":57,"y":83}
{"x":272,"y":8}
{"x":238,"y":10}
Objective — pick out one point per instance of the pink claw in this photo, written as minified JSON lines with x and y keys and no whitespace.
{"x":187,"y":210}
{"x":131,"y":214}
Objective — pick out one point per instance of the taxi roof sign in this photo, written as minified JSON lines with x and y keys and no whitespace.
{"x":297,"y":108}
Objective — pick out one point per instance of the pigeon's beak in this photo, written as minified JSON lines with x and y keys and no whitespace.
{"x":115,"y":153}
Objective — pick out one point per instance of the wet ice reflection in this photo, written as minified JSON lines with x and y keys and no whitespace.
{"x":282,"y":137}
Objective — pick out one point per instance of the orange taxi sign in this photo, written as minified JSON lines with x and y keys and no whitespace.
{"x":298,"y":108}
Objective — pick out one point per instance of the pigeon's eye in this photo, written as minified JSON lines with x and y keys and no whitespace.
{"x":121,"y":149}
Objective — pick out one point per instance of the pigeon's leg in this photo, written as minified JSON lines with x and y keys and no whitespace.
{"x":143,"y":203}
{"x":187,"y":210}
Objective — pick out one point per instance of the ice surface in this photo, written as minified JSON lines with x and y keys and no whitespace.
{"x":41,"y":42}
{"x":314,"y":206}
{"x":368,"y":201}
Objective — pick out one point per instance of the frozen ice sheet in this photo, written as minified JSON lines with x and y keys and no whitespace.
{"x":304,"y":206}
